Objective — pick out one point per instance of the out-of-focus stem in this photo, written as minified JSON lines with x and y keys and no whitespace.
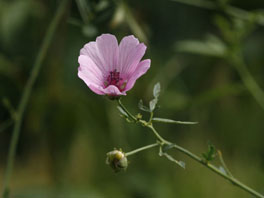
{"x":231,"y":10}
{"x":250,"y":83}
{"x":26,"y":95}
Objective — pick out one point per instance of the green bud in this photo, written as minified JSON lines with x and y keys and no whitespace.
{"x":138,"y":116}
{"x":117,"y":160}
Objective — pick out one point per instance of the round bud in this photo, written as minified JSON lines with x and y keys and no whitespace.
{"x":117,"y":160}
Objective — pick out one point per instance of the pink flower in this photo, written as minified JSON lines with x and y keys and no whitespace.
{"x":109,"y":69}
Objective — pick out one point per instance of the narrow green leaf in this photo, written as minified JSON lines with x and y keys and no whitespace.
{"x":164,"y":120}
{"x":222,"y":169}
{"x":156,"y":90}
{"x":180,"y":163}
{"x":152,"y":104}
{"x":168,"y":147}
{"x":123,"y":113}
{"x":211,"y":153}
{"x":142,"y":107}
{"x":211,"y":46}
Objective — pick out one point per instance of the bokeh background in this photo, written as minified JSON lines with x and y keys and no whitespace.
{"x":67,"y":130}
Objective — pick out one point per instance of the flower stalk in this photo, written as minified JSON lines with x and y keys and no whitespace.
{"x":142,"y":149}
{"x":163,"y":142}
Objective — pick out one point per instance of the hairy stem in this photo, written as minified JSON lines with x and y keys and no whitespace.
{"x":217,"y":171}
{"x":223,"y":163}
{"x":158,"y":135}
{"x":210,"y":166}
{"x":125,"y":110}
{"x":142,"y":149}
{"x":26,"y":95}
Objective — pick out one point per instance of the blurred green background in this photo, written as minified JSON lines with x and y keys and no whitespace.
{"x":67,"y":129}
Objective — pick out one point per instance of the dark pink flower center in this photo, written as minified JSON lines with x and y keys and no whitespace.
{"x":114,"y":79}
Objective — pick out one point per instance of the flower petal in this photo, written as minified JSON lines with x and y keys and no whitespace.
{"x":90,"y":74}
{"x":130,"y":53}
{"x":141,"y":69}
{"x":113,"y":91}
{"x":108,"y":49}
{"x":91,"y":50}
{"x":94,"y":87}
{"x":90,"y":70}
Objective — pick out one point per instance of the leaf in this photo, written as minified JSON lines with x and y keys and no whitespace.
{"x":13,"y":17}
{"x":89,"y":30}
{"x":222,"y":169}
{"x":168,"y":147}
{"x":172,"y":121}
{"x":152,"y":104}
{"x":211,"y":153}
{"x":123,"y":113}
{"x":142,"y":107}
{"x":156,"y":90}
{"x":180,"y":163}
{"x":211,"y":46}
{"x":124,"y":14}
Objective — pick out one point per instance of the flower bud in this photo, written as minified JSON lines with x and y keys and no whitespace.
{"x":117,"y":160}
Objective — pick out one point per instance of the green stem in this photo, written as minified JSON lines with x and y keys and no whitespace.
{"x":248,"y":80}
{"x":26,"y":95}
{"x":213,"y":168}
{"x":151,"y":117}
{"x":142,"y":149}
{"x":231,"y":10}
{"x":163,"y":141}
{"x":127,"y":112}
{"x":223,"y":163}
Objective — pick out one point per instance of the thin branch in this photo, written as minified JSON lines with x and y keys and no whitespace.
{"x":223,"y":163}
{"x":231,"y":10}
{"x":127,"y":112}
{"x":180,"y":163}
{"x":26,"y":95}
{"x":142,"y":149}
{"x":248,"y":80}
{"x":195,"y":157}
{"x":217,"y":171}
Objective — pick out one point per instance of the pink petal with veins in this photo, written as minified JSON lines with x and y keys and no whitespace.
{"x":109,"y":69}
